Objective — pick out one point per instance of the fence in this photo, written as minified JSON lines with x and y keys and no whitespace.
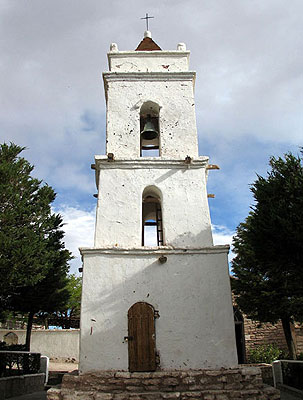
{"x":288,"y":375}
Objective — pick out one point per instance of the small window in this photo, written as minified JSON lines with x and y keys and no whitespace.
{"x":149,"y":130}
{"x":152,"y":224}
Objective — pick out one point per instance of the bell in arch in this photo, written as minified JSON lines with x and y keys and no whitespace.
{"x":149,"y":131}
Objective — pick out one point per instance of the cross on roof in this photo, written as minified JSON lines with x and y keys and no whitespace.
{"x":147,"y":18}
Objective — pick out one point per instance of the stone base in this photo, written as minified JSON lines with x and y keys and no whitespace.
{"x":224,"y":384}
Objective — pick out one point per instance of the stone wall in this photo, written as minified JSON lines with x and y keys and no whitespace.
{"x":224,"y":384}
{"x":257,"y":334}
{"x":260,"y":334}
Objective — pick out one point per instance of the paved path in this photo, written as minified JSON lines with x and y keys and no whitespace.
{"x":31,"y":396}
{"x":288,"y":396}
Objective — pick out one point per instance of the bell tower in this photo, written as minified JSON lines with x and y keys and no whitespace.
{"x":156,"y":292}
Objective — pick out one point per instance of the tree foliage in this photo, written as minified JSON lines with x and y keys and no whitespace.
{"x":33,"y":258}
{"x":269,"y":248}
{"x":67,"y":315}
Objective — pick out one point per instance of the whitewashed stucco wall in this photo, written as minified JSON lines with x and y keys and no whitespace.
{"x":53,"y":343}
{"x":177,"y":119}
{"x":186,"y":219}
{"x":191,"y":291}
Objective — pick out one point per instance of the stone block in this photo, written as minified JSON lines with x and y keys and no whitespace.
{"x":122,"y":374}
{"x":189,"y":380}
{"x":133,"y":388}
{"x":142,"y":375}
{"x":155,"y":381}
{"x":233,"y":386}
{"x":170,"y":382}
{"x":250,"y":371}
{"x":213,"y":373}
{"x":54,"y":394}
{"x":121,"y":396}
{"x":209,"y":396}
{"x":152,"y":388}
{"x":132,"y":381}
{"x":222,"y":397}
{"x":103,"y":396}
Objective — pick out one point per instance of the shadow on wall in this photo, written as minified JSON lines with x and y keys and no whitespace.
{"x":177,"y":288}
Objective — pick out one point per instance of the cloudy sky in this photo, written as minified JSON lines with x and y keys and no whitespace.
{"x":249,"y":91}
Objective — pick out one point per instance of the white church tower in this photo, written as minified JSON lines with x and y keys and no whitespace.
{"x":156,"y":291}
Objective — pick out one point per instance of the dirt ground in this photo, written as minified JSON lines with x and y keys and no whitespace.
{"x":62,"y":366}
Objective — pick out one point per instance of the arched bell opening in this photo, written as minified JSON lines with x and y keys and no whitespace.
{"x":149,"y":130}
{"x":152,"y":224}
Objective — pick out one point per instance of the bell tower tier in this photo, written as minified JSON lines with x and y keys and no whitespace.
{"x":156,"y":291}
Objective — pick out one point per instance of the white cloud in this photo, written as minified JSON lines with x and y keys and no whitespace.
{"x":223,"y":235}
{"x":249,"y":65}
{"x":79,"y":226}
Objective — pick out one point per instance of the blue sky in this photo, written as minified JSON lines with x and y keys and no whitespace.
{"x":249,"y":91}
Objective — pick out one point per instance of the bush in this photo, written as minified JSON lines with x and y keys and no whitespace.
{"x":264,"y":354}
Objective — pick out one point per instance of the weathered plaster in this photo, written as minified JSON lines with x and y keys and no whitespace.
{"x":191,"y":291}
{"x":173,"y":92}
{"x":185,"y":212}
{"x":145,"y":61}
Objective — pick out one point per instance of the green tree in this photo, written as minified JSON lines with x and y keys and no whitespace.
{"x":67,"y":315}
{"x":269,"y":248}
{"x":33,"y":260}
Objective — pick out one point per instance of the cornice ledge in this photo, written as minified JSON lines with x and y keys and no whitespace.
{"x":154,"y":53}
{"x":149,"y":76}
{"x":147,"y":251}
{"x":102,"y":162}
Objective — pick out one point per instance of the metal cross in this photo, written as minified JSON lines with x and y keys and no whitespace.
{"x":147,"y":18}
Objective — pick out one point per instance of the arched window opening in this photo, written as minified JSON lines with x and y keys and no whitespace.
{"x":149,"y":130}
{"x":152,"y":225}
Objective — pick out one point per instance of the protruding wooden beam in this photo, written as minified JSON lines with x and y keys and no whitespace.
{"x":211,"y":196}
{"x":93,"y":166}
{"x":212,"y":166}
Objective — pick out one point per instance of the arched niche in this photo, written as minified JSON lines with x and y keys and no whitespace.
{"x":150,"y":129}
{"x":152,"y":223}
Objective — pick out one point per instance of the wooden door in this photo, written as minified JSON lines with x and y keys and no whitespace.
{"x":141,"y":338}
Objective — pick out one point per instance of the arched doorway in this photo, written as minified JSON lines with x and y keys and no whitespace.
{"x":141,"y":338}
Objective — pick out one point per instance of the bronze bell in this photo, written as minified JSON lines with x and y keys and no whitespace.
{"x":149,"y":132}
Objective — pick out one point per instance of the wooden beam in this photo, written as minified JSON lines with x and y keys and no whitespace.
{"x":212,"y":166}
